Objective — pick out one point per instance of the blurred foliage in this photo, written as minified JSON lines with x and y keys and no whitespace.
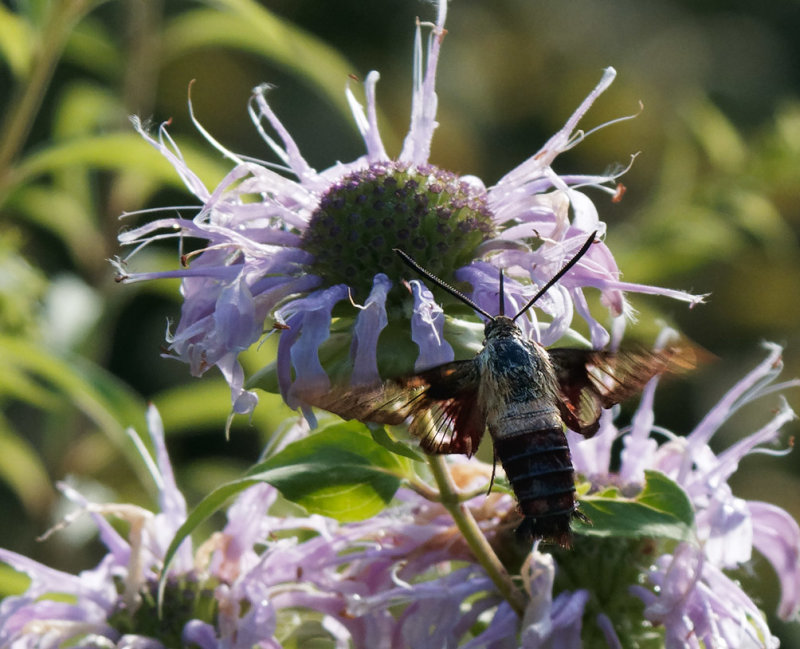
{"x":713,"y":200}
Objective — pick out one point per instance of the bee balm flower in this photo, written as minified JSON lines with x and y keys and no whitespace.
{"x":686,"y":587}
{"x":308,"y":247}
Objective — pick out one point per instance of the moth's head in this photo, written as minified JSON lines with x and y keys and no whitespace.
{"x":500,"y":326}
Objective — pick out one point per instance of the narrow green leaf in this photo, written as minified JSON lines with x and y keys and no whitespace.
{"x":97,"y":48}
{"x":120,"y":152}
{"x":660,"y":510}
{"x":85,"y":108}
{"x":250,"y":27}
{"x":17,"y":384}
{"x":23,"y":471}
{"x":16,"y":42}
{"x":60,"y":212}
{"x":112,"y":405}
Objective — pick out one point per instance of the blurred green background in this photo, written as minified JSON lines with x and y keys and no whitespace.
{"x":713,"y":200}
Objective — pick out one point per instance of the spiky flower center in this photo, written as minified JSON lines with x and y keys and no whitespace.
{"x":427,"y":212}
{"x":185,"y":598}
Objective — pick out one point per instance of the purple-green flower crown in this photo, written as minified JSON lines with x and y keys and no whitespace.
{"x":426,"y":211}
{"x":313,"y":251}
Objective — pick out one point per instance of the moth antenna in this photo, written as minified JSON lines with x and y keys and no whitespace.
{"x":502,"y":309}
{"x":584,"y":249}
{"x":440,"y":283}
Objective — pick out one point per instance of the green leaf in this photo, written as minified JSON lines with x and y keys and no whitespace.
{"x":86,"y":108}
{"x":339,"y":472}
{"x":663,"y":494}
{"x":382,"y":437}
{"x":16,"y":42}
{"x":108,"y":402}
{"x":96,"y":48}
{"x":661,"y":510}
{"x":63,"y":215}
{"x":12,"y":582}
{"x":120,"y":152}
{"x":23,"y":471}
{"x":246,"y":25}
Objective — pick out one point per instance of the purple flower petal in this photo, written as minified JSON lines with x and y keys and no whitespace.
{"x":485,"y":281}
{"x":368,"y":123}
{"x":247,"y":525}
{"x":370,"y":322}
{"x":43,"y":579}
{"x":257,"y":624}
{"x":234,"y":317}
{"x":592,"y":457}
{"x":130,"y":641}
{"x":639,"y":448}
{"x":776,"y":535}
{"x":167,"y":147}
{"x":568,"y":619}
{"x":429,"y":624}
{"x":417,"y":145}
{"x":199,"y":633}
{"x":427,"y":324}
{"x":170,"y":499}
{"x":728,"y":461}
{"x":309,"y":321}
{"x":609,"y":632}
{"x":534,"y":167}
{"x":501,"y":630}
{"x":726,"y":528}
{"x":764,"y":372}
{"x":243,"y":400}
{"x":289,"y":152}
{"x":117,"y":546}
{"x":598,"y":334}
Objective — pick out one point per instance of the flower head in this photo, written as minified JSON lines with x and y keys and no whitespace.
{"x":398,"y":579}
{"x":406,"y":577}
{"x":688,"y":589}
{"x":98,"y":607}
{"x":309,"y":248}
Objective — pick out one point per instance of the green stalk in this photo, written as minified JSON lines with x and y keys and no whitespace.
{"x":24,"y":107}
{"x":473,"y":535}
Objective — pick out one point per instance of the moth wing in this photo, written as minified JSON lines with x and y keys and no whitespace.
{"x":590,"y":380}
{"x":442,"y":403}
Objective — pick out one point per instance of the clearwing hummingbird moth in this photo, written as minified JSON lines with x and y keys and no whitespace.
{"x":525,"y":395}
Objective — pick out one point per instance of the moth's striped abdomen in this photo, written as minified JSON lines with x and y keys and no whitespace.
{"x":538,"y":466}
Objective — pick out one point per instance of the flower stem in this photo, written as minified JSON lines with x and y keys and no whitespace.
{"x":473,"y":535}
